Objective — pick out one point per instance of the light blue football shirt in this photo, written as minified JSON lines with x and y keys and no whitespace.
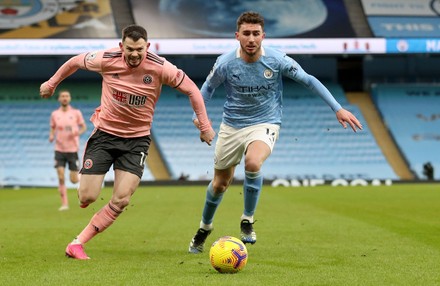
{"x":254,"y":91}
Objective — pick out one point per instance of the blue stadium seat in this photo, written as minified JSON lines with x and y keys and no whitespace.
{"x":412,"y":114}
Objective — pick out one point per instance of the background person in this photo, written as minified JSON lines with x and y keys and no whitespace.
{"x":66,"y":126}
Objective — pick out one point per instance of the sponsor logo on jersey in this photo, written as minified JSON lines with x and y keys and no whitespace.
{"x":124,"y":98}
{"x":255,"y":90}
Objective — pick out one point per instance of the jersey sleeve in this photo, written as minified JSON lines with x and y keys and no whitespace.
{"x":293,"y":70}
{"x":68,"y":68}
{"x":215,"y":78}
{"x":171,"y":75}
{"x":177,"y":79}
{"x":93,"y":61}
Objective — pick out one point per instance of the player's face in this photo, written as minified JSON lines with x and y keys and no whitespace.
{"x":250,"y":37}
{"x":134,"y":52}
{"x":64,"y":98}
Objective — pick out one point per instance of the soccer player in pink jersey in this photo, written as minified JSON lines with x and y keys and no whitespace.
{"x":66,"y":125}
{"x":132,"y":79}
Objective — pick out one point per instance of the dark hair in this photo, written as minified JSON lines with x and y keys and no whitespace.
{"x":134,"y":32}
{"x":63,"y":90}
{"x":250,"y":18}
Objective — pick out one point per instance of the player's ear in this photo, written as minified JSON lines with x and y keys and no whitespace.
{"x":121,"y":46}
{"x":148,"y":45}
{"x":264,"y":35}
{"x":236,"y":35}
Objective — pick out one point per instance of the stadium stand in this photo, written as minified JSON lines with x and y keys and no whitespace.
{"x":412,"y":114}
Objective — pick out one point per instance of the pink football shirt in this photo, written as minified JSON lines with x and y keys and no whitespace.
{"x":66,"y":127}
{"x":129,"y":94}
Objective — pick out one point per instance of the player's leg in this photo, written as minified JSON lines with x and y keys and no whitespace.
{"x":74,"y":167}
{"x":214,"y":194}
{"x":60,"y":163}
{"x":261,"y":142}
{"x":88,"y":191}
{"x":97,"y":161}
{"x":229,"y":148}
{"x":62,"y":189}
{"x":128,"y":163}
{"x":256,"y":154}
{"x":89,"y":188}
{"x":124,"y":186}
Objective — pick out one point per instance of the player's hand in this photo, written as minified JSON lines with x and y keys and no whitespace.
{"x":45,"y":90}
{"x":344,"y":116}
{"x":207,"y":136}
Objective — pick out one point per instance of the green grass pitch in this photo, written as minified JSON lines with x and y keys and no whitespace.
{"x":306,"y":236}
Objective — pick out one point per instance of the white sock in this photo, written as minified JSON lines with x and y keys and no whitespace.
{"x":205,"y":226}
{"x":76,"y":241}
{"x":249,"y":218}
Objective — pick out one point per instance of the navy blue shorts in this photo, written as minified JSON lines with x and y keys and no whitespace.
{"x":70,"y":158}
{"x":104,"y":150}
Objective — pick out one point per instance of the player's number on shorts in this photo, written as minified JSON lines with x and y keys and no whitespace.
{"x":143,"y":159}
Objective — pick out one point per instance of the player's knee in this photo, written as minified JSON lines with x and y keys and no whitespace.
{"x":220,"y":186}
{"x":74,"y":179}
{"x":86,"y":199}
{"x":87,"y":196}
{"x":252,"y":165}
{"x":121,"y":202}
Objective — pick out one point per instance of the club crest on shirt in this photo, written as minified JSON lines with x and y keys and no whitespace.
{"x":147,"y":79}
{"x":91,"y":56}
{"x":268,"y":73}
{"x":88,"y":164}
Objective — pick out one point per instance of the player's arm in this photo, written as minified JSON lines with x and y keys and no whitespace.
{"x":82,"y":128}
{"x":52,"y":128}
{"x":213,"y":80}
{"x":81,"y":123}
{"x":343,"y":116}
{"x":69,"y":67}
{"x":51,"y":134}
{"x":295,"y":71}
{"x":188,"y":87}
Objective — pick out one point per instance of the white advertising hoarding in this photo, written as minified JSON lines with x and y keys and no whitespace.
{"x":9,"y":47}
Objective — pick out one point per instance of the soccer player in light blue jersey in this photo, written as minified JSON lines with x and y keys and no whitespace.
{"x":252,"y":76}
